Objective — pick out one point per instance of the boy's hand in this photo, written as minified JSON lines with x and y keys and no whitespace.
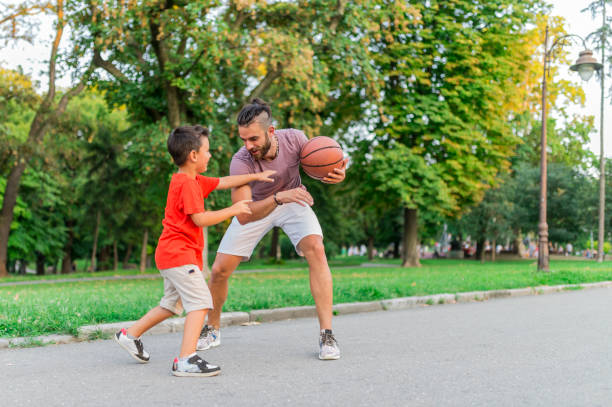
{"x":265,"y":176}
{"x":242,"y":207}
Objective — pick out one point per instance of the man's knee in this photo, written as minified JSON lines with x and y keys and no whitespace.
{"x":313,"y":247}
{"x":222,"y":270}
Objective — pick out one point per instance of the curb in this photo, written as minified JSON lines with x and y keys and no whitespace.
{"x":103,"y":331}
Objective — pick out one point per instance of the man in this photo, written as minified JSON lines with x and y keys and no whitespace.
{"x":285,"y":204}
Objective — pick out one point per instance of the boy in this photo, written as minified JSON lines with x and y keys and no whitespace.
{"x":179,"y":251}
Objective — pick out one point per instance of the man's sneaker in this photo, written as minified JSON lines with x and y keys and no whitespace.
{"x":209,"y":338}
{"x":133,"y":346}
{"x":328,"y":346}
{"x":194,"y":366}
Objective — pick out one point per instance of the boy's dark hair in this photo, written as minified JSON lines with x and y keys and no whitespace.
{"x":256,"y":111}
{"x":183,"y":140}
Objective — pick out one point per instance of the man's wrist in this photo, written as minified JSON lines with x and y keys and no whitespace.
{"x":276,"y":200}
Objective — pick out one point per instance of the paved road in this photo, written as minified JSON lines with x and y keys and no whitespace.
{"x":530,"y":351}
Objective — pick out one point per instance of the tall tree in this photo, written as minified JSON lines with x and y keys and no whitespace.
{"x":47,"y":113}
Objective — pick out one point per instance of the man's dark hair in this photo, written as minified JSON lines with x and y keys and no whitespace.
{"x":183,"y":140}
{"x":256,"y":111}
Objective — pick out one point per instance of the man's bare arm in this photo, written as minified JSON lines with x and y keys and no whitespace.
{"x":261,"y":209}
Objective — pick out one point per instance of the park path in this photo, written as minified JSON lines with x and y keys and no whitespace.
{"x":530,"y":351}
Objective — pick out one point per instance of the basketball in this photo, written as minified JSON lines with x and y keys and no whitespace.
{"x":320,"y":155}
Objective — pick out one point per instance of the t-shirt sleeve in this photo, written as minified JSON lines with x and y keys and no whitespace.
{"x":239,"y":167}
{"x":208,"y":184}
{"x":191,"y":198}
{"x":300,"y":139}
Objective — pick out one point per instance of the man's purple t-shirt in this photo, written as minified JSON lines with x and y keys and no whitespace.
{"x":286,"y":164}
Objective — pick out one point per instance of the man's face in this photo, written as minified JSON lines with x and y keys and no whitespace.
{"x":256,"y":140}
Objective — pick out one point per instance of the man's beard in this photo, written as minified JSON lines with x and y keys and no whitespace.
{"x":263,"y":150}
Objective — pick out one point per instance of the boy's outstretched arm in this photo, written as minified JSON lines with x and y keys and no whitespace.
{"x":234,"y":181}
{"x":210,"y":218}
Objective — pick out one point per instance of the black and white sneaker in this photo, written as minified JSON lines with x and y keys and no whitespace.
{"x":194,"y":366}
{"x":133,"y":346}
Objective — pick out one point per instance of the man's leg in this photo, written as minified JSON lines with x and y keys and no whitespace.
{"x":321,"y":285}
{"x":222,"y":269}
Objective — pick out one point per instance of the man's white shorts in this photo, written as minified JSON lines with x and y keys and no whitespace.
{"x":297,"y":222}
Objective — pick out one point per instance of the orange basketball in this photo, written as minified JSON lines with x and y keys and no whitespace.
{"x":320,"y":155}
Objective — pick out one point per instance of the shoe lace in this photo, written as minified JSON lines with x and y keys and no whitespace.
{"x":139,"y":346}
{"x":328,"y":339}
{"x":204,"y":332}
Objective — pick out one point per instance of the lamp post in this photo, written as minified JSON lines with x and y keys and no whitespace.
{"x":586,"y":65}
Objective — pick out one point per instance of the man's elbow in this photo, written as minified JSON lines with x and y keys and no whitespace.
{"x":243,"y":219}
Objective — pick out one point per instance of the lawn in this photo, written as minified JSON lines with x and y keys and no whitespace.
{"x":30,"y":310}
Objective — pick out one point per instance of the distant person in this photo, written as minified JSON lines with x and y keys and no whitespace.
{"x":569,"y":249}
{"x":286,"y":204}
{"x":179,"y":251}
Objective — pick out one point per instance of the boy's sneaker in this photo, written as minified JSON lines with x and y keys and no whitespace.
{"x":194,"y":366}
{"x":328,"y":346}
{"x":133,"y":346}
{"x":209,"y":338}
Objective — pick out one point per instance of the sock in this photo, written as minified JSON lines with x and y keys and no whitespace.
{"x":186,"y":358}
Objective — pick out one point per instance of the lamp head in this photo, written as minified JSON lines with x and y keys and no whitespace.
{"x":586,"y":65}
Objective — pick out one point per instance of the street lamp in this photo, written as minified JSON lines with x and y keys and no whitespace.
{"x":585,"y":65}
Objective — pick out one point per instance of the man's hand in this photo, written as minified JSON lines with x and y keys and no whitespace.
{"x":266,"y":176}
{"x":337,"y":175}
{"x":298,"y":195}
{"x":242,"y":207}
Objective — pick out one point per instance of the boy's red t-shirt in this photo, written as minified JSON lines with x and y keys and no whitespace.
{"x":181,"y":241}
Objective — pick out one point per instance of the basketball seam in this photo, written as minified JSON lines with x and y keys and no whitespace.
{"x":322,"y":165}
{"x":319,"y":149}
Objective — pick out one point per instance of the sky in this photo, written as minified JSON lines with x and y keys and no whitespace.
{"x":32,"y":59}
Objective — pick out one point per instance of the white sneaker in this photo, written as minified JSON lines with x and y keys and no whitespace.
{"x":209,"y":338}
{"x":194,"y":366}
{"x":328,"y":346}
{"x":133,"y":346}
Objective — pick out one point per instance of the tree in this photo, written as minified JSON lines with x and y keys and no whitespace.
{"x":47,"y":113}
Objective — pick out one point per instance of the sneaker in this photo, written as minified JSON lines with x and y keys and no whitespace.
{"x":133,"y":346}
{"x":328,"y":346}
{"x":194,"y":366}
{"x":209,"y":338}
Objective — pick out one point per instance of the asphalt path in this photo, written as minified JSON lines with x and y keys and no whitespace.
{"x":529,"y":351}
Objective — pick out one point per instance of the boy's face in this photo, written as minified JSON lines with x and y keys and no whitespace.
{"x":256,"y":140}
{"x":203,"y":156}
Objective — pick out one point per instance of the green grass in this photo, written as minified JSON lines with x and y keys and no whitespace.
{"x":32,"y":310}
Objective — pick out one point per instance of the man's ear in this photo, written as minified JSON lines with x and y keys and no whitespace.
{"x":270,"y":131}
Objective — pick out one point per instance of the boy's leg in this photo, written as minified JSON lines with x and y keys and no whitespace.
{"x":222,"y":269}
{"x":193,"y":326}
{"x":149,"y":320}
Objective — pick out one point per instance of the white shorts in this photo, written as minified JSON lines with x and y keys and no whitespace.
{"x":297,"y":222}
{"x":185,"y":283}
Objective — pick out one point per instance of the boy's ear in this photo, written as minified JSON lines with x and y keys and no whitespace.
{"x":193,"y":155}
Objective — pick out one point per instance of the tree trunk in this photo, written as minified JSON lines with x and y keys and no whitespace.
{"x":480,"y":253}
{"x":493,"y":250}
{"x":40,"y":264}
{"x":128,"y":254}
{"x":205,"y":267}
{"x":67,"y":260}
{"x":115,"y":256}
{"x":6,"y":215}
{"x":275,"y":245}
{"x":143,"y":252}
{"x":95,"y":242}
{"x":411,"y":253}
{"x":371,"y":248}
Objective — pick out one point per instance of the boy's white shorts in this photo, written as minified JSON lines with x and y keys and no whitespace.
{"x":297,"y":222}
{"x":185,"y":283}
